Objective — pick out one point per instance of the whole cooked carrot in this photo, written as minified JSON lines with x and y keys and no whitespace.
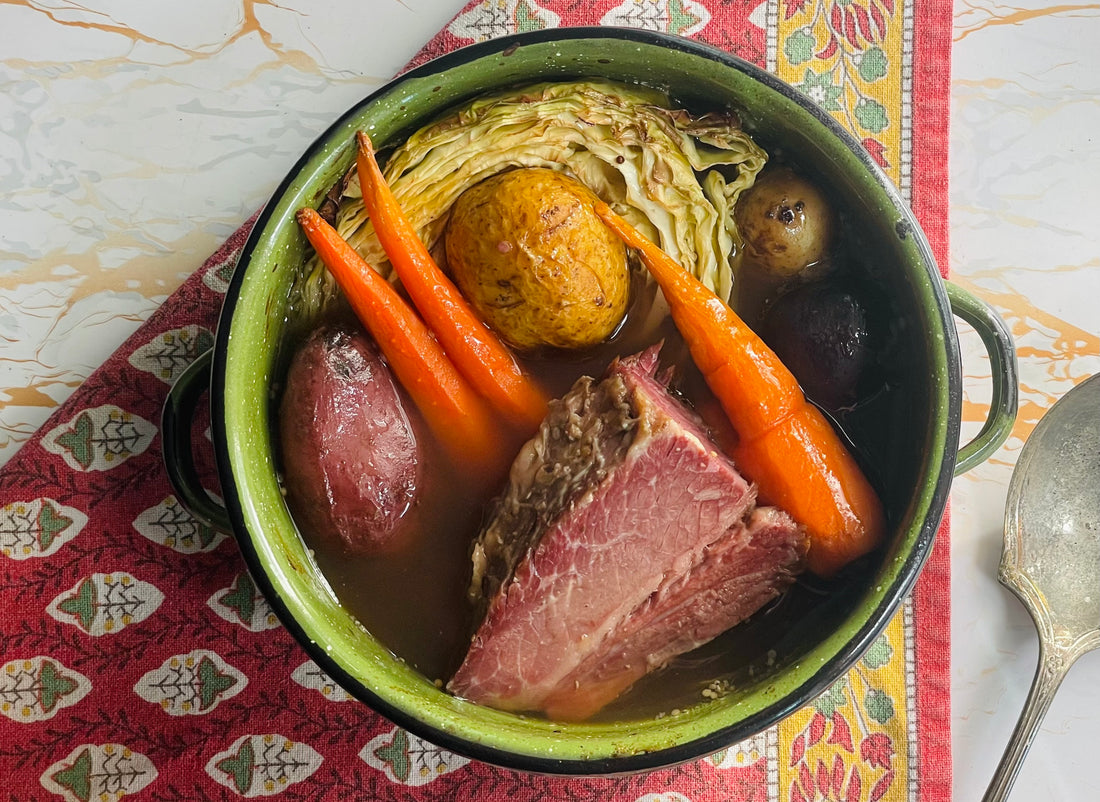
{"x":476,"y":351}
{"x":785,"y":446}
{"x":454,"y":411}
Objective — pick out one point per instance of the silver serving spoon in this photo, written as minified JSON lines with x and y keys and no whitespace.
{"x":1051,"y":557}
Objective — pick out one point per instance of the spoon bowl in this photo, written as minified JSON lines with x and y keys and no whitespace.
{"x":1051,"y":556}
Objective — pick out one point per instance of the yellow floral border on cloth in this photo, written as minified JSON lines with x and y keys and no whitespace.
{"x":854,"y":58}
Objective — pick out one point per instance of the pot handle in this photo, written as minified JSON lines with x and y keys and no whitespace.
{"x":1002,"y":362}
{"x":175,"y":439}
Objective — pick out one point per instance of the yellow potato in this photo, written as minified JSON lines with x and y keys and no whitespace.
{"x":541,"y":269}
{"x":786,"y":223}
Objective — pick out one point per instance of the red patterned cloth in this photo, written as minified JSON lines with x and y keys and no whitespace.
{"x":138,"y":659}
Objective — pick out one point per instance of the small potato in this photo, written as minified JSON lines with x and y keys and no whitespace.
{"x":351,"y":461}
{"x":533,"y":259}
{"x":786,"y":222}
{"x":823,"y":334}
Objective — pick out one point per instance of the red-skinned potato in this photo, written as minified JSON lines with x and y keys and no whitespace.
{"x":351,"y":461}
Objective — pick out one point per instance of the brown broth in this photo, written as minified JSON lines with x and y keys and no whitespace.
{"x":415,"y":601}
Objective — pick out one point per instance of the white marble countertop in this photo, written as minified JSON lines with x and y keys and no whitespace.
{"x":134,"y":140}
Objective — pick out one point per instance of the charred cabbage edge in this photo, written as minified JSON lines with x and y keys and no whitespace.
{"x":655,"y":165}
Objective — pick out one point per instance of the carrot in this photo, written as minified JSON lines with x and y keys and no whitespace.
{"x":786,"y":446}
{"x":454,"y":411}
{"x":802,"y":467}
{"x":477,"y":352}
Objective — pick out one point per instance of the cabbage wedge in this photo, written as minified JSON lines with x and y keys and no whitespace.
{"x":674,"y":176}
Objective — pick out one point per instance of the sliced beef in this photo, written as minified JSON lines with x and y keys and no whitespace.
{"x":740,"y":573}
{"x":351,"y":459}
{"x":624,"y":539}
{"x":585,"y":435}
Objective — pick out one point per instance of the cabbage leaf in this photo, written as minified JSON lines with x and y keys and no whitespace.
{"x":673,"y":175}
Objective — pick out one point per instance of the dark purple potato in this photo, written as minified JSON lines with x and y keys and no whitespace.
{"x":821,"y":333}
{"x":351,"y":461}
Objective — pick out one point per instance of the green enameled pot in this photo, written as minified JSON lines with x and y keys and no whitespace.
{"x":914,"y":461}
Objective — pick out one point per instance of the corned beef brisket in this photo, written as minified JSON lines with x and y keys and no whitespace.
{"x":624,"y":538}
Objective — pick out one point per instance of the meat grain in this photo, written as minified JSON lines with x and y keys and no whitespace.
{"x":624,"y":539}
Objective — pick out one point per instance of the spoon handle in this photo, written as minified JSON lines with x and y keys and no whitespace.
{"x":1053,"y":665}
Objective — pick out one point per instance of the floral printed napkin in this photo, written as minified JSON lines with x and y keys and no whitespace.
{"x":138,"y":659}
